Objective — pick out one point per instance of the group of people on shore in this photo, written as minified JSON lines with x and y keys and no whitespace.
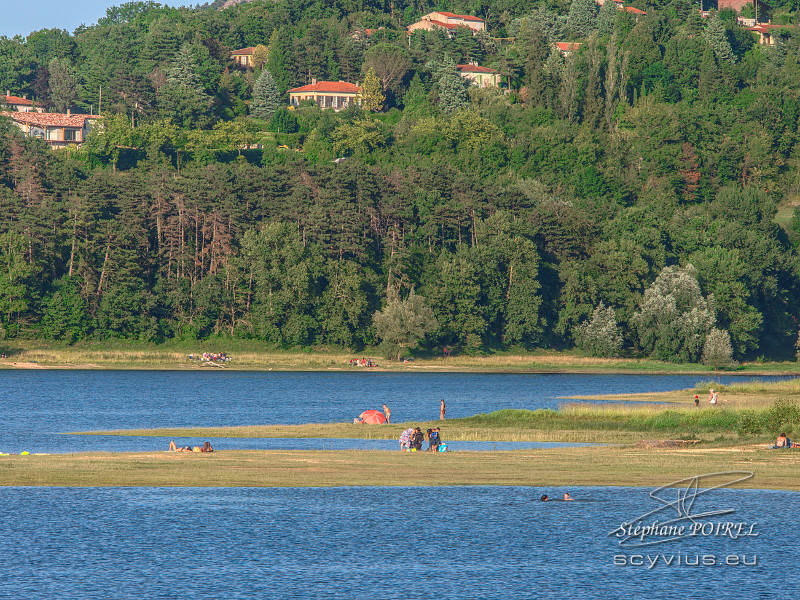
{"x":211,"y":357}
{"x":713,"y":398}
{"x":412,"y":439}
{"x":362,"y":362}
{"x":206,"y":447}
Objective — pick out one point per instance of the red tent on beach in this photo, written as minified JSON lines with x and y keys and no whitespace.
{"x":373,"y":417}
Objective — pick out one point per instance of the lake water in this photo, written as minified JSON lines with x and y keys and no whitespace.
{"x":351,"y":542}
{"x":39,"y":406}
{"x":378,"y":543}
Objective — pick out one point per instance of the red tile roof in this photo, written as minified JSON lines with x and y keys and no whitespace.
{"x":445,"y":25}
{"x":474,"y":69}
{"x":18,"y":100}
{"x":462,"y":17}
{"x":568,"y":46}
{"x":337,"y":87}
{"x":49,"y":119}
{"x":243,"y":51}
{"x":635,"y":11}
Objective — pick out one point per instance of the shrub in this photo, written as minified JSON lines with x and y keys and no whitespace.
{"x":717,"y":350}
{"x":782,"y":416}
{"x":748,"y":423}
{"x":600,"y":336}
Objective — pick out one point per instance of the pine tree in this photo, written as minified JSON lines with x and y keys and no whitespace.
{"x":63,"y":84}
{"x":415,"y":96}
{"x":716,"y":36}
{"x":278,"y":59}
{"x":606,"y":18}
{"x":582,"y":17}
{"x":266,"y":98}
{"x":372,"y":97}
{"x":450,"y":85}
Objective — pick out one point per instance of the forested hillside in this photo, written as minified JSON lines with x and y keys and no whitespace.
{"x":623,"y":197}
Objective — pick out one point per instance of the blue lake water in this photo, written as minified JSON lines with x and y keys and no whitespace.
{"x":377,"y":543}
{"x":350,"y":542}
{"x":39,"y":406}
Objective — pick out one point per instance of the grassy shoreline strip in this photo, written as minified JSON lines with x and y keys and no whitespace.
{"x":252,"y":356}
{"x":251,"y":468}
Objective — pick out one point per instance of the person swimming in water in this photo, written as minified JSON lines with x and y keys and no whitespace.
{"x":567,"y":496}
{"x":545,"y":498}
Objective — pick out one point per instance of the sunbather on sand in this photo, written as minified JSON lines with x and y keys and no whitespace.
{"x":174,"y":448}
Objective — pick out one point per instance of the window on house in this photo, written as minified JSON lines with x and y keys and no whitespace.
{"x":71,"y":135}
{"x":37,"y":132}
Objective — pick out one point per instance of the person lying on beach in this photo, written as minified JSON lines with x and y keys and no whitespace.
{"x":784,"y":442}
{"x":174,"y":448}
{"x":206,"y":447}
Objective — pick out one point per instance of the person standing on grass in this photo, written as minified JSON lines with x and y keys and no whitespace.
{"x":713,"y":397}
{"x":696,"y":400}
{"x":388,"y":414}
{"x":441,"y":410}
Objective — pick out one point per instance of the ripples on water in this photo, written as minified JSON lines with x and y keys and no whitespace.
{"x":370,"y":543}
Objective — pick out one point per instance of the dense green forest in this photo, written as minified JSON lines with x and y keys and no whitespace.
{"x":622,"y":198}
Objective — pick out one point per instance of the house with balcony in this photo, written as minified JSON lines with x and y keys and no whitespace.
{"x":243,"y":57}
{"x":336,"y":95}
{"x":57,"y":129}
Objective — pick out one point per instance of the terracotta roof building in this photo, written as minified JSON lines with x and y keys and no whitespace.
{"x":567,"y":48}
{"x":766,"y":32}
{"x":243,"y":57}
{"x":20,"y":104}
{"x":478,"y":75}
{"x":448,"y":22}
{"x":337,"y":95}
{"x":57,"y":129}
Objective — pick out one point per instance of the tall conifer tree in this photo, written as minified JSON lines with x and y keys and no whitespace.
{"x":266,"y":98}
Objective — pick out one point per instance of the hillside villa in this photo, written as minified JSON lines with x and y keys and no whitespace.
{"x":448,"y":22}
{"x":480,"y":76}
{"x":243,"y":57}
{"x":57,"y":129}
{"x":19,"y":104}
{"x":337,"y":95}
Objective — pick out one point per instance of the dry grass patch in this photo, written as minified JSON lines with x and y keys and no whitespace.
{"x":561,"y":467}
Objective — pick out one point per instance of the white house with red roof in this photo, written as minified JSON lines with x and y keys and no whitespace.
{"x":20,"y":104}
{"x":478,"y":75}
{"x":57,"y":129}
{"x":337,"y":95}
{"x":448,"y":22}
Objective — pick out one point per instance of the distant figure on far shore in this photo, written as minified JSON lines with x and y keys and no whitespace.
{"x":441,"y":410}
{"x":388,"y":414}
{"x":696,"y":400}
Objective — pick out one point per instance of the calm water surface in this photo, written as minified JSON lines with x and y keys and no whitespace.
{"x":39,"y":406}
{"x":373,"y":543}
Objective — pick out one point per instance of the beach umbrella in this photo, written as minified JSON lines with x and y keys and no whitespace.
{"x":373,"y":417}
